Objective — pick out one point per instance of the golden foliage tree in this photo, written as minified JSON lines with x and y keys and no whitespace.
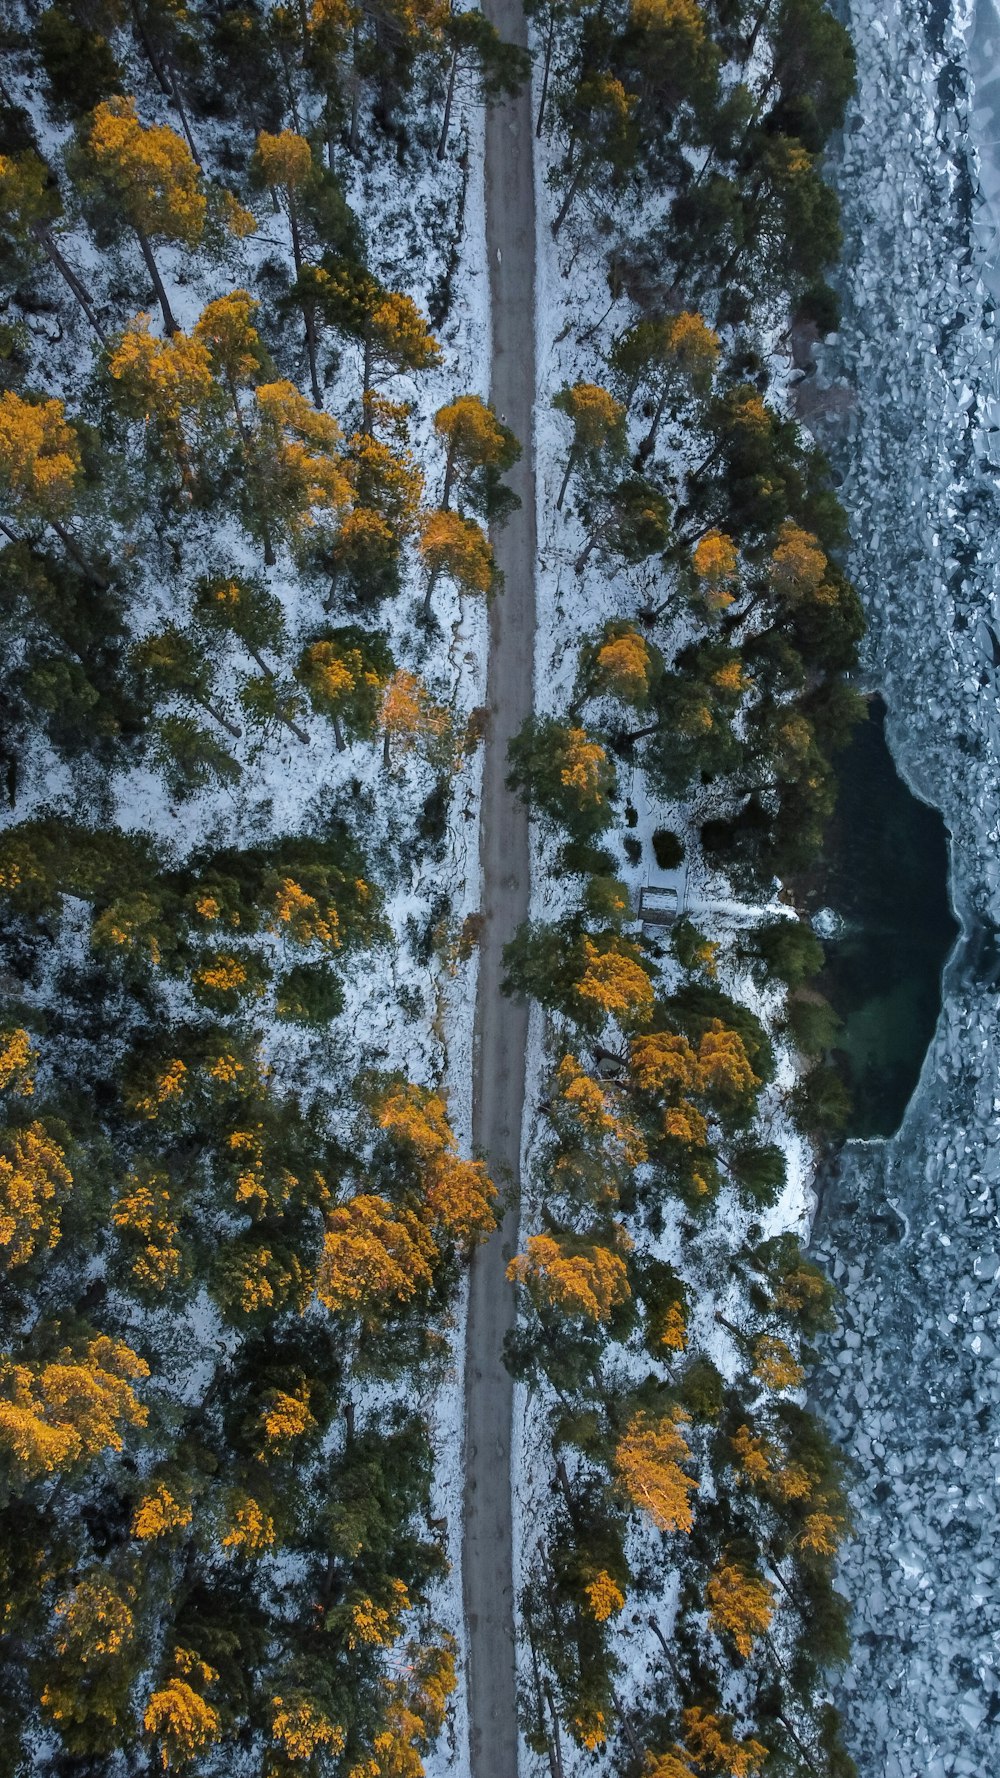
{"x":649,"y":1459}
{"x":181,"y":1722}
{"x":168,"y":384}
{"x":712,"y":1744}
{"x":459,"y":548}
{"x":715,"y":560}
{"x":623,"y":663}
{"x":57,"y":1413}
{"x":34,"y":1183}
{"x":584,"y":1280}
{"x":375,"y":1257}
{"x":18,"y":1060}
{"x":598,"y":422}
{"x":740,"y":1603}
{"x":474,"y":438}
{"x":154,"y":179}
{"x":408,"y":714}
{"x":798,"y":564}
{"x":614,"y":983}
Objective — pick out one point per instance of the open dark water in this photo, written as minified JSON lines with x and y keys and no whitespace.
{"x":886,"y":878}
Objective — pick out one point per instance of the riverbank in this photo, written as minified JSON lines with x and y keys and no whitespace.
{"x":911,"y":1228}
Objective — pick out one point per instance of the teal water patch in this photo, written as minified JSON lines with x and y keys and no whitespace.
{"x":885,"y":876}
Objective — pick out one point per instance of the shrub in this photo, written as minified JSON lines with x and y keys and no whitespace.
{"x":760,"y":1172}
{"x":668,"y":848}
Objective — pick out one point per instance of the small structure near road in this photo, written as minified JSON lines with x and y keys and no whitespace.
{"x":660,"y":904}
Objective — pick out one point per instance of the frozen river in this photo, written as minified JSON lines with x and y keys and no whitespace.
{"x":911,"y":1228}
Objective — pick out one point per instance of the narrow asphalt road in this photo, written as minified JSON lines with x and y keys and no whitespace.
{"x":501,"y":1024}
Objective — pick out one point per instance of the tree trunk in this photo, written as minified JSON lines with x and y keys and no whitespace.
{"x":570,"y":461}
{"x":556,"y":1741}
{"x":157,"y":282}
{"x":354,"y":136}
{"x":231,"y":728}
{"x":443,"y":138}
{"x":751,"y":42}
{"x":70,"y":544}
{"x":175,"y":93}
{"x":308,"y":311}
{"x":449,"y":476}
{"x":571,"y":191}
{"x":338,"y":733}
{"x":627,"y":1726}
{"x":151,"y":55}
{"x":41,"y":234}
{"x":386,"y":757}
{"x":299,"y":733}
{"x":646,"y":447}
{"x":585,"y":554}
{"x":431,"y":583}
{"x":546,"y":70}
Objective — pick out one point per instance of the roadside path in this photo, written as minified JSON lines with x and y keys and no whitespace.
{"x":501,"y":1024}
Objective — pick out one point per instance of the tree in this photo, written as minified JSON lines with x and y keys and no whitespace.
{"x":674,"y":357}
{"x":35,"y":1181}
{"x":622,"y":664}
{"x":581,"y":1279}
{"x":39,"y":464}
{"x":57,"y":1412}
{"x":96,"y":1653}
{"x":502,"y":67}
{"x":391,"y":329}
{"x":459,"y":548}
{"x":602,"y":134}
{"x":18,"y":1061}
{"x":569,"y":777}
{"x":375,"y":1258}
{"x":168,"y":384}
{"x":711,"y":1743}
{"x":171,"y":662}
{"x":298,"y":477}
{"x":284,"y":163}
{"x":409,"y":714}
{"x":180,"y":1721}
{"x":630,"y":520}
{"x":79,"y":63}
{"x":475,"y":439}
{"x":29,"y":207}
{"x":649,"y":1460}
{"x":740,"y":1603}
{"x":614,"y":984}
{"x":227,"y":329}
{"x":598,"y":422}
{"x":675,"y":60}
{"x":715,"y":561}
{"x":153,"y":178}
{"x":345,"y":674}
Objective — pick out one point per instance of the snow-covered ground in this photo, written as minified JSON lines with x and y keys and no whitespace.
{"x":912,"y":1228}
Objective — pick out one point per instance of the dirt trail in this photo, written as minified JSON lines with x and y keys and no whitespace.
{"x":501,"y":1024}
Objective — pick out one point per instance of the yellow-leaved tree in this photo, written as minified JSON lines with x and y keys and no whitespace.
{"x":598,"y":422}
{"x":649,"y":1460}
{"x":154,"y":179}
{"x":35,"y":1181}
{"x":409,"y":715}
{"x":715,"y":560}
{"x":740,"y":1603}
{"x":39,"y":467}
{"x":375,"y":1257}
{"x":586,"y":1280}
{"x":459,"y":548}
{"x":475,"y":439}
{"x":56,"y":1413}
{"x":167,"y":384}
